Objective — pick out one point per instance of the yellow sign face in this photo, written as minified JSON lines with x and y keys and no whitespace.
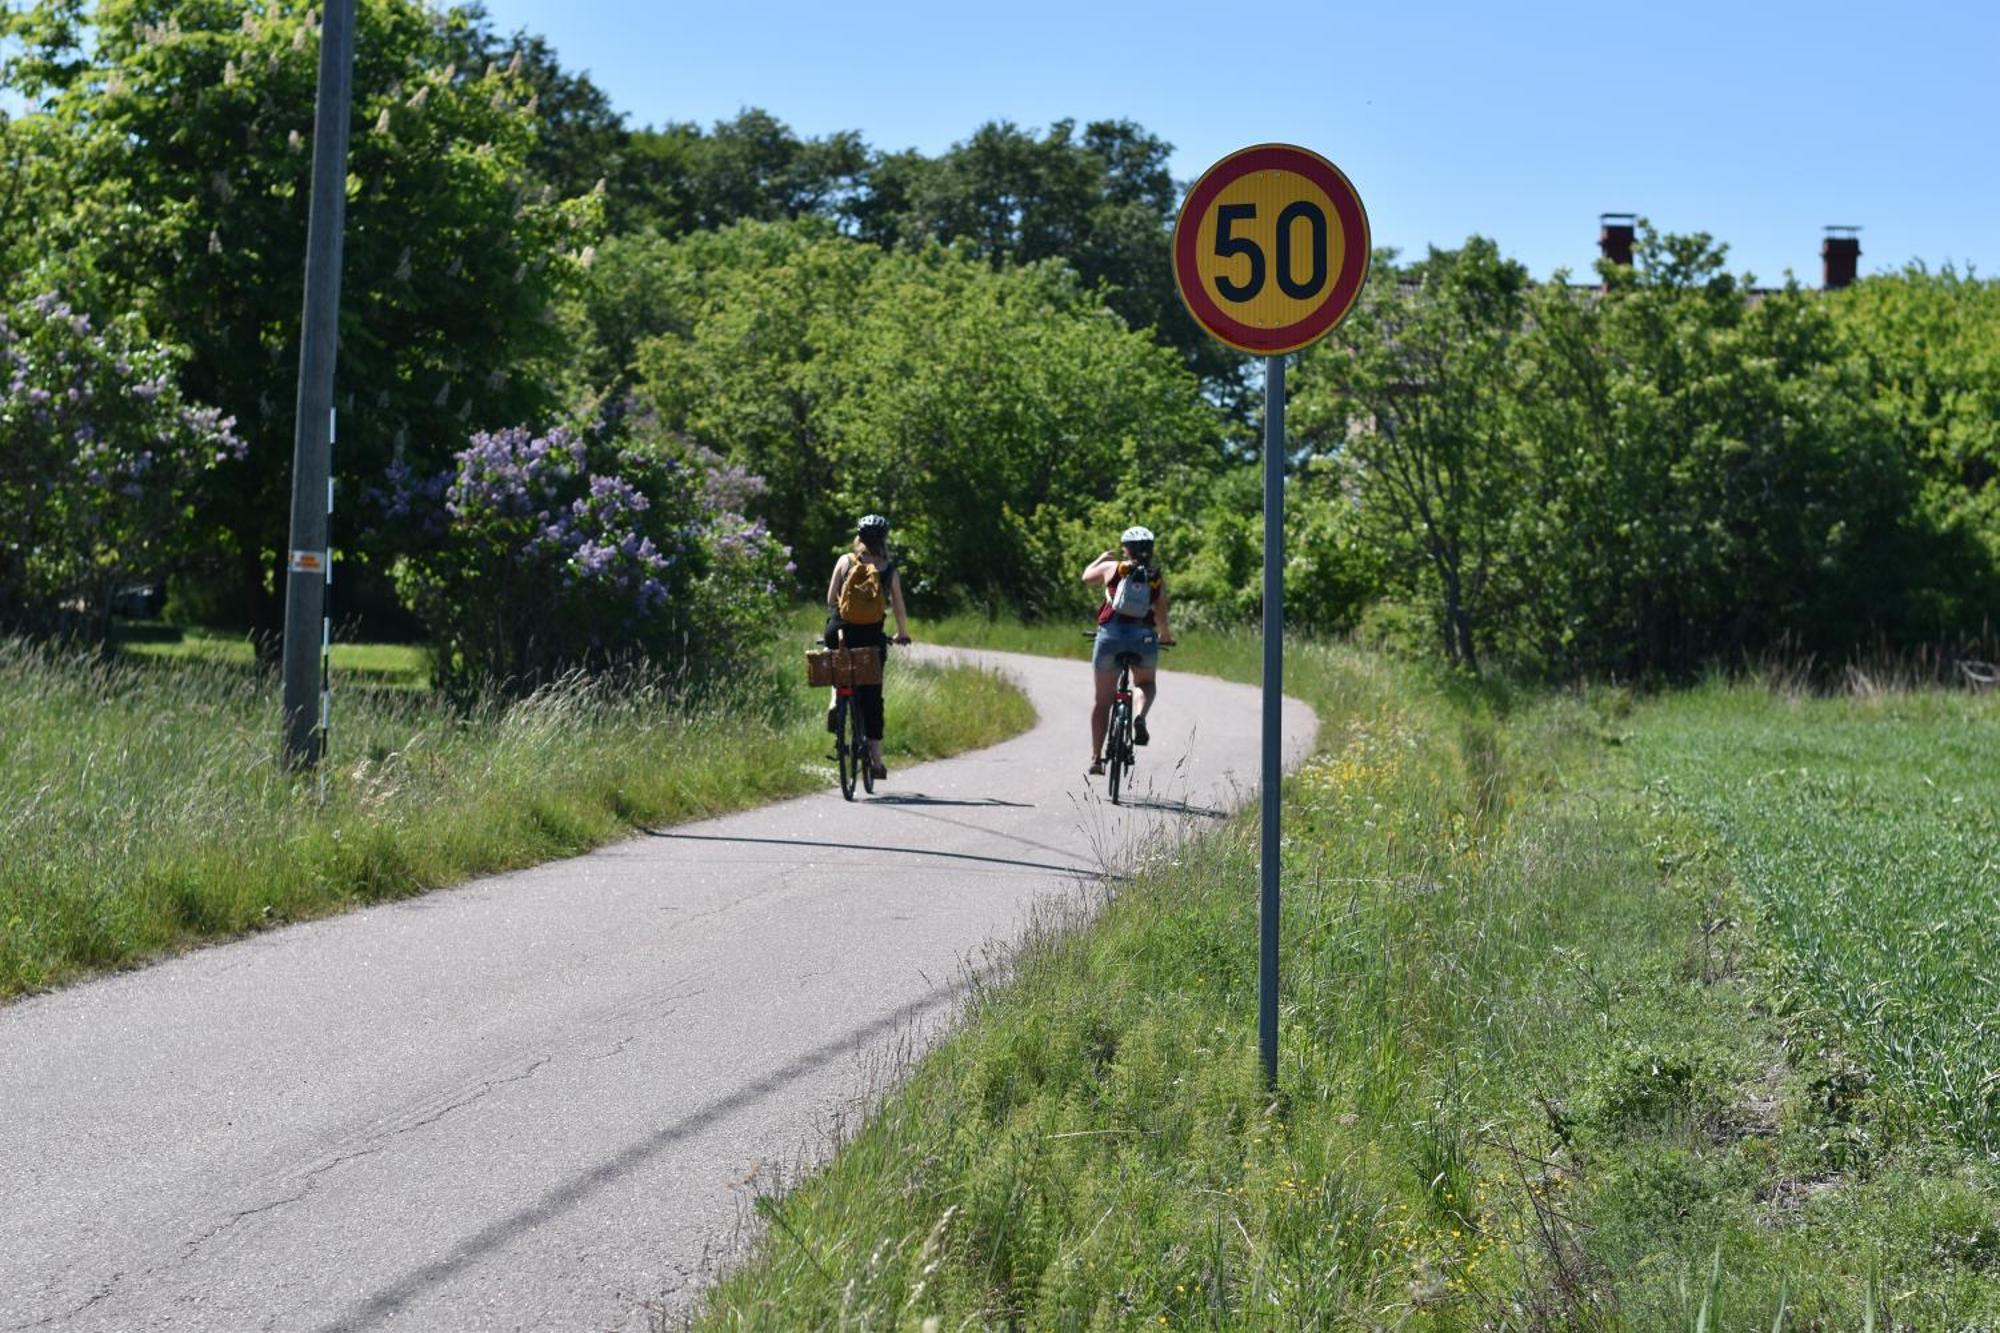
{"x":1282,"y":268}
{"x":1271,"y":248}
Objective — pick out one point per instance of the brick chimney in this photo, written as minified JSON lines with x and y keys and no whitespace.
{"x":1840,"y":257}
{"x":1614,"y":237}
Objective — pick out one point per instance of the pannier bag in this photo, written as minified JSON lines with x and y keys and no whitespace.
{"x":844,"y":667}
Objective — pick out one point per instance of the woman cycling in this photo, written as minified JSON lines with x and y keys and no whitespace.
{"x":1133,"y":619}
{"x":864,"y":588}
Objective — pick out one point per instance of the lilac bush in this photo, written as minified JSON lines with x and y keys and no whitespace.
{"x":99,"y":455}
{"x":539,"y":554}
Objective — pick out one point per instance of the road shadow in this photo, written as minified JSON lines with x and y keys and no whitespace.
{"x":386,"y":1303}
{"x":918,"y":798}
{"x":1176,"y":808}
{"x":914,"y":811}
{"x":809,"y":844}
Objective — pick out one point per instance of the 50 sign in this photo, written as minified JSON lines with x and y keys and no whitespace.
{"x":1271,"y":248}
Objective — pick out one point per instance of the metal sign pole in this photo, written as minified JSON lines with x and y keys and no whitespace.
{"x":312,"y":441}
{"x":1236,"y":228}
{"x":1274,"y":692}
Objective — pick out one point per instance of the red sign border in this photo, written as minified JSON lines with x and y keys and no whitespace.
{"x":1346,"y":285}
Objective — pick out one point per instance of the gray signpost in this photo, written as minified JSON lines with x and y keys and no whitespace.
{"x":309,"y":563}
{"x":1274,"y":694}
{"x":1271,"y":250}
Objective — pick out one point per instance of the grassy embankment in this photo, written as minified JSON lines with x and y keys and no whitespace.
{"x":1591,"y":1019}
{"x":141,"y":808}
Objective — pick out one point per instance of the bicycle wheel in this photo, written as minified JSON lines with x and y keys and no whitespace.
{"x":848,"y":748}
{"x":866,"y":766}
{"x":1118,"y":748}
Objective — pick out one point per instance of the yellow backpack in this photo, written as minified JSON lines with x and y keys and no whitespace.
{"x":863,"y":600}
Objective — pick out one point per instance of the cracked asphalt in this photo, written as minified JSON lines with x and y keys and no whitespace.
{"x":546,"y":1100}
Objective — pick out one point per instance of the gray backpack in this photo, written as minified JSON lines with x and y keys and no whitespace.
{"x":1133,"y":597}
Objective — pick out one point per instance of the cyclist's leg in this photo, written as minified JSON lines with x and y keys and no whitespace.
{"x":1104,"y":668}
{"x":1146,"y":675}
{"x":870,"y":699}
{"x":1100,"y":710}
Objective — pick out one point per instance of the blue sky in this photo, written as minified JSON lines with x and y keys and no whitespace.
{"x":1757,"y":121}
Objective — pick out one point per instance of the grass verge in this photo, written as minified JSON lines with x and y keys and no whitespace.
{"x":1530,"y":1073}
{"x":141,"y":808}
{"x":397,"y":664}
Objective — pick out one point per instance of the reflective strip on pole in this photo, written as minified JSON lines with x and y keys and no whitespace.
{"x":1274,"y":693}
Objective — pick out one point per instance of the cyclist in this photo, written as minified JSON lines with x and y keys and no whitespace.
{"x":1133,"y":619}
{"x":864,"y":588}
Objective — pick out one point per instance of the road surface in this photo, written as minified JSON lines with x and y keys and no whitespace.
{"x":543,"y":1099}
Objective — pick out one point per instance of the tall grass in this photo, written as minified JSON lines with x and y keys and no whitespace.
{"x":1867,"y":829}
{"x":141,"y":807}
{"x":1523,"y":1083}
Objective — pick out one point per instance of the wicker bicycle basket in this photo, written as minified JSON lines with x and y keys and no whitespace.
{"x":844,"y":667}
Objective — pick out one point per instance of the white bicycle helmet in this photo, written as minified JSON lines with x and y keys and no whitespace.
{"x":1135,"y":535}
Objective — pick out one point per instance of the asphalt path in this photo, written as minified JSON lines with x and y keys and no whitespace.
{"x":545,"y":1099}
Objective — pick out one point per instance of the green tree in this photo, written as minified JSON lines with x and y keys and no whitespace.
{"x":1102,"y":201}
{"x":740,"y":354}
{"x":1011,"y":421}
{"x":989,"y":412}
{"x":193,"y":119}
{"x":1930,"y":345}
{"x":1708,"y":478}
{"x":679,"y":178}
{"x":1411,"y":397}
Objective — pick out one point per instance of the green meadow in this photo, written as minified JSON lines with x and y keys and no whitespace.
{"x":1599,"y":1012}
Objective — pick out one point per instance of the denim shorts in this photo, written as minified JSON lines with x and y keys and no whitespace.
{"x":1120,"y":636}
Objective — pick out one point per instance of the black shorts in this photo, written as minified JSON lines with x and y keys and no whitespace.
{"x":858,"y":636}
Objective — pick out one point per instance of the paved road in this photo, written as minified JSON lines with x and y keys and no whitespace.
{"x":535,"y":1101}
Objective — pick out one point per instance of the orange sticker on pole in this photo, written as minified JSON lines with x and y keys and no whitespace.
{"x":1271,"y":249}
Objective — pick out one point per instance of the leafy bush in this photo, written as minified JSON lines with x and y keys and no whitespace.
{"x":561,"y":551}
{"x":990,"y":413}
{"x":168,"y":149}
{"x":98,"y":453}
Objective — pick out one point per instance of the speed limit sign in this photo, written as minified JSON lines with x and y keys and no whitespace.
{"x":1271,"y":248}
{"x":1270,"y":252}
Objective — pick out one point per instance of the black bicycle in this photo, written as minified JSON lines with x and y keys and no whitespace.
{"x":850,"y":747}
{"x":1119,"y":755}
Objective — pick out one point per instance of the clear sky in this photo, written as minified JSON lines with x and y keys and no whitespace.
{"x":1757,"y":121}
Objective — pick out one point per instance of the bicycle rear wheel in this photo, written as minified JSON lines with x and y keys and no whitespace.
{"x":1118,"y":748}
{"x":848,"y":748}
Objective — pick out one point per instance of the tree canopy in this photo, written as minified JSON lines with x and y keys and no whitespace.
{"x":766,"y":333}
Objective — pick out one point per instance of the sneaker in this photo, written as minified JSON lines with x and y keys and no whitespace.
{"x":881,"y":772}
{"x":833,"y":717}
{"x":1097,"y":768}
{"x":1139,"y":731}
